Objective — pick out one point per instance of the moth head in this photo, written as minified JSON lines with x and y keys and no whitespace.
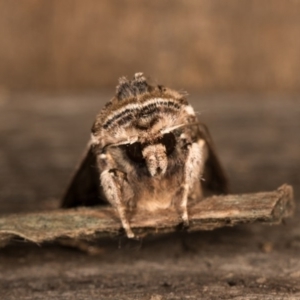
{"x":153,"y":154}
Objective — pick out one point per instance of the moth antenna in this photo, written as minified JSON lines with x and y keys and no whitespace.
{"x":139,"y":83}
{"x":120,"y":143}
{"x":167,"y":130}
{"x":124,"y":89}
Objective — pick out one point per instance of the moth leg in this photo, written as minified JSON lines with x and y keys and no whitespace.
{"x":118,"y":193}
{"x":193,"y":171}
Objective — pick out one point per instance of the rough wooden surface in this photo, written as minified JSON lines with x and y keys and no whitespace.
{"x":209,"y":214}
{"x":42,"y":137}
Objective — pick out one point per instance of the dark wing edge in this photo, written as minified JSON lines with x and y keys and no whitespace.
{"x":84,"y":187}
{"x":215,"y":180}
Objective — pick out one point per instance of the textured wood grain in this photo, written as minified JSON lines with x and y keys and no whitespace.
{"x":211,"y":213}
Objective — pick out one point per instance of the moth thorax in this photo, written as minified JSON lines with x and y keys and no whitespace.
{"x":145,"y":123}
{"x":156,"y":159}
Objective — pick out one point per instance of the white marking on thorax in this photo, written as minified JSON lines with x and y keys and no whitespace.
{"x":133,"y":107}
{"x":189,"y":110}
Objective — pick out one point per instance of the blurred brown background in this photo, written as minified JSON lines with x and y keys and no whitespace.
{"x":206,"y":45}
{"x":240,"y":61}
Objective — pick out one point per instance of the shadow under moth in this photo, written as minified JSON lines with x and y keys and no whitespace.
{"x":147,"y":151}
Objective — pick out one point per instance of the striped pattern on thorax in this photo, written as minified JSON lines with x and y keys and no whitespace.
{"x":139,"y":111}
{"x":133,"y":113}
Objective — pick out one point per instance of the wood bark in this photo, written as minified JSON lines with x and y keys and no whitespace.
{"x":92,"y":223}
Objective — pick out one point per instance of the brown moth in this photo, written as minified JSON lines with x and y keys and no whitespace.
{"x":147,"y":150}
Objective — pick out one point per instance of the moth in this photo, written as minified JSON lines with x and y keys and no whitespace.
{"x":147,"y":151}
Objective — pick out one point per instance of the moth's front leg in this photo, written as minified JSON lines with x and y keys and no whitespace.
{"x":118,"y":192}
{"x":194,"y":168}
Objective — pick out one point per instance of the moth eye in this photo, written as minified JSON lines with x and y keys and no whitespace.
{"x":134,"y":152}
{"x":169,"y":141}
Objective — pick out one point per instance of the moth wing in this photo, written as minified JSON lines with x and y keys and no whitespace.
{"x":84,"y":188}
{"x":214,"y":178}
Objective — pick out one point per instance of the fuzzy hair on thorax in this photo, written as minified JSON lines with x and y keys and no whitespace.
{"x":140,"y":111}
